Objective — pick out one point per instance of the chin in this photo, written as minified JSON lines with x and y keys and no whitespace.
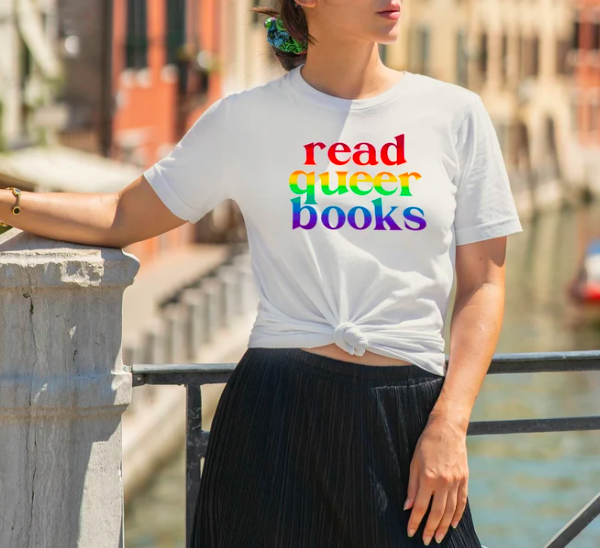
{"x":387,"y":38}
{"x":386,"y":34}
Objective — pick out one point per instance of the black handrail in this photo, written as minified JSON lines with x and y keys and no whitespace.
{"x":193,"y":376}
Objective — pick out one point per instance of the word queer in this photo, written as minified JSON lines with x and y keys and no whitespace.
{"x":334,"y":217}
{"x":376,"y":183}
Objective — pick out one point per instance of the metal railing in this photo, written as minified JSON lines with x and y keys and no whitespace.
{"x":193,"y":376}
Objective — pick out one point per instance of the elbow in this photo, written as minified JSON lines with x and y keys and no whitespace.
{"x":118,"y":233}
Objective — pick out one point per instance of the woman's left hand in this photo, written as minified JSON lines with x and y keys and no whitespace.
{"x":439,"y":468}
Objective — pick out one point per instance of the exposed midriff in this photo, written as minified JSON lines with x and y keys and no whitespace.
{"x":368,"y":358}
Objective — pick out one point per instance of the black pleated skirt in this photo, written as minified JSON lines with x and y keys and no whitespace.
{"x":307,"y":451}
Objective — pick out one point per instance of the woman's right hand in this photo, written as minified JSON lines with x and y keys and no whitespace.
{"x":439,"y":469}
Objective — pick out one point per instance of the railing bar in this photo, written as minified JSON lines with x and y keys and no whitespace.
{"x":168,"y":368}
{"x":478,"y":428}
{"x":192,"y":457}
{"x":501,"y":363}
{"x":522,"y":426}
{"x":199,"y":375}
{"x":546,"y":366}
{"x":192,"y":378}
{"x":547,"y":356}
{"x":509,"y":357}
{"x":577,"y":524}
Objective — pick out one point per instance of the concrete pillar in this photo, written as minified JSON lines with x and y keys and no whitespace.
{"x":194,"y":302}
{"x":63,"y":390}
{"x":213,"y":290}
{"x":247,"y":292}
{"x":230,"y":298}
{"x":154,"y":343}
{"x":174,"y":321}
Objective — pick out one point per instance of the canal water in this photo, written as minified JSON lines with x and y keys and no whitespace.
{"x":523,"y":488}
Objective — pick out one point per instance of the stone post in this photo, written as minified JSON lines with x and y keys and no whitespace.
{"x":213,"y":291}
{"x":194,"y":301}
{"x":63,"y":389}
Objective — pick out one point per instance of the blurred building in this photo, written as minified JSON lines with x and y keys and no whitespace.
{"x":139,"y":74}
{"x":518,"y":57}
{"x":30,"y":73}
{"x":586,"y":92}
{"x":32,"y":109}
{"x":84,"y":46}
{"x":522,"y":69}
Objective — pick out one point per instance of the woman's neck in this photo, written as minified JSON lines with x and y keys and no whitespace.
{"x":353,"y":70}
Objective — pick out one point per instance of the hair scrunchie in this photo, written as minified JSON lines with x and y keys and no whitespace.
{"x":279,"y":37}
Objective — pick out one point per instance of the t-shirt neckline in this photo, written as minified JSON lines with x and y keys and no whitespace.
{"x":339,"y":103}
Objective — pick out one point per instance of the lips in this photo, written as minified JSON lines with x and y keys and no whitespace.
{"x":393,"y":7}
{"x":392,"y":15}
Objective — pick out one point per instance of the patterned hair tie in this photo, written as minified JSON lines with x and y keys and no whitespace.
{"x":279,"y":37}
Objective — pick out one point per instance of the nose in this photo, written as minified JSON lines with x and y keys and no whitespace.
{"x":350,"y":338}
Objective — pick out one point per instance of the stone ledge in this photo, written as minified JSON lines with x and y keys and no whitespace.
{"x":28,"y":260}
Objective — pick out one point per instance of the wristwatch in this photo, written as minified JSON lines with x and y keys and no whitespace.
{"x":16,"y":209}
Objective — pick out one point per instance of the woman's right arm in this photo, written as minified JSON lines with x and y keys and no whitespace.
{"x":117,"y":219}
{"x":181,"y":187}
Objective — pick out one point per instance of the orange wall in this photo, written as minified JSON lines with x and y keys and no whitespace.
{"x":150,"y":111}
{"x":210,"y":13}
{"x":151,"y":107}
{"x":587,"y":75}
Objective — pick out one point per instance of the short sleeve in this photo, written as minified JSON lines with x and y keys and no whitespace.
{"x":485,"y":206}
{"x":191,"y":179}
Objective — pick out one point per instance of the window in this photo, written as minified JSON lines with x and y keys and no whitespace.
{"x":383,"y":53}
{"x":461,"y":58}
{"x":175,"y":32}
{"x":522,"y":60}
{"x":255,"y":16}
{"x":596,"y":36}
{"x":576,"y":34}
{"x":483,"y":54}
{"x":504,"y":59}
{"x":422,"y":50}
{"x":562,"y":56}
{"x":529,"y":48}
{"x":594,"y":110}
{"x":534,"y":45}
{"x":136,"y":45}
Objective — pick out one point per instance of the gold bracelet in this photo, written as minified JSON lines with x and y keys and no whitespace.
{"x":16,"y":209}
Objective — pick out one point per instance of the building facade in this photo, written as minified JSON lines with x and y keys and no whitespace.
{"x":586,"y":91}
{"x":140,"y":72}
{"x":30,"y":73}
{"x":518,"y":57}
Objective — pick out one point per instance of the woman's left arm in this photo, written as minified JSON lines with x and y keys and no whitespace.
{"x":439,"y":466}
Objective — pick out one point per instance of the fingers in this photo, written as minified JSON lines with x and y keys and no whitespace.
{"x":449,"y":501}
{"x":461,"y":502}
{"x":413,"y":483}
{"x":422,"y":498}
{"x":448,"y":515}
{"x":437,"y":511}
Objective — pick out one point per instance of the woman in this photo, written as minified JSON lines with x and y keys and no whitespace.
{"x":364,"y":190}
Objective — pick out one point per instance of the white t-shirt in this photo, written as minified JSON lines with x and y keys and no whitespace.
{"x":353,"y":208}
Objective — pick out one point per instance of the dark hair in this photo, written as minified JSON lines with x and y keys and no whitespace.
{"x":295,"y":23}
